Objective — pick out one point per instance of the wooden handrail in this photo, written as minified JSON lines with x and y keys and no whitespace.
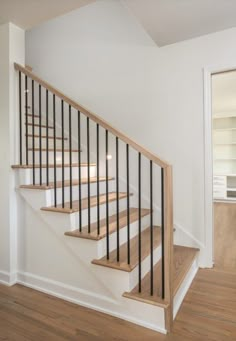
{"x":93,"y":117}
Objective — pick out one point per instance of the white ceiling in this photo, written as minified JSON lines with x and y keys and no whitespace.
{"x":171,"y":21}
{"x":224,"y":93}
{"x":166,"y":21}
{"x":28,"y":13}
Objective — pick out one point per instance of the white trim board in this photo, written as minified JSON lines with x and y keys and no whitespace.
{"x":8,"y":278}
{"x":208,"y":160}
{"x":74,"y":295}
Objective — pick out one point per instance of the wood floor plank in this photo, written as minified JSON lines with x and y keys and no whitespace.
{"x":225,"y":236}
{"x":145,"y":247}
{"x":198,"y":319}
{"x":84,"y":203}
{"x":112,"y":225}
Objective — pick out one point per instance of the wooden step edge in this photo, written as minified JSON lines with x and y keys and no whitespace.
{"x":66,"y":183}
{"x":194,"y":256}
{"x":177,"y":282}
{"x":45,"y":137}
{"x":69,"y":210}
{"x":94,"y":236}
{"x":57,"y":150}
{"x":158,"y":301}
{"x":35,"y":116}
{"x":58,"y":165}
{"x":123,"y":266}
{"x":38,"y":125}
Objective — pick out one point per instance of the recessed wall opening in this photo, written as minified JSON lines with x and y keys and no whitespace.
{"x":224,"y":168}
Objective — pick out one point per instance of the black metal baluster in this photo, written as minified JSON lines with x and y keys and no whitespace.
{"x":151,"y":228}
{"x":47,"y":142}
{"x":26,"y":112}
{"x":33,"y":138}
{"x":98,"y":188}
{"x":54,"y":150}
{"x":88,"y":171}
{"x":117,"y":203}
{"x":128,"y":206}
{"x":79,"y":175}
{"x":70,"y":156}
{"x":107,"y":198}
{"x":139,"y":226}
{"x":63,"y":155}
{"x":162,"y":235}
{"x":20,"y":117}
{"x":40,"y":137}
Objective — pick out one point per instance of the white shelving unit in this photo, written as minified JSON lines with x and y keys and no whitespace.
{"x":224,"y":152}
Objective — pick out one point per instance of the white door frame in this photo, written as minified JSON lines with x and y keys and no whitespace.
{"x":208,"y":158}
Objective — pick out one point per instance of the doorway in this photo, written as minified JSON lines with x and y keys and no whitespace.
{"x":223,"y":124}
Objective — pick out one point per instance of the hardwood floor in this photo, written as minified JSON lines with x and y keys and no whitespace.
{"x":225,"y":236}
{"x":207,"y":314}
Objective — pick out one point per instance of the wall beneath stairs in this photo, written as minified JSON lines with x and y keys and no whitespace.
{"x":12,"y":48}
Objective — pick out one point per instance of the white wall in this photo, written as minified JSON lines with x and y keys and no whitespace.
{"x":12,"y":48}
{"x":181,"y":113}
{"x":100,"y":56}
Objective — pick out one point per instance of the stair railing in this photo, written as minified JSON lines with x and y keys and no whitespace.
{"x":27,"y":83}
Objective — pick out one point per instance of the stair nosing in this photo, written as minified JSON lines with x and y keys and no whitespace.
{"x":58,"y":165}
{"x":46,"y":137}
{"x":73,"y":210}
{"x":66,"y":184}
{"x":96,"y":237}
{"x":123,"y":266}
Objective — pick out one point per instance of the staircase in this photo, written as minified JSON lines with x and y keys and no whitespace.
{"x":108,"y":198}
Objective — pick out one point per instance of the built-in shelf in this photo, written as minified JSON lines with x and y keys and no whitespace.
{"x":224,"y":144}
{"x":224,"y":158}
{"x":224,"y":129}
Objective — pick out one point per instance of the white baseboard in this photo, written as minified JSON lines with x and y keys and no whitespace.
{"x":179,"y":297}
{"x":8,"y":278}
{"x":77,"y":296}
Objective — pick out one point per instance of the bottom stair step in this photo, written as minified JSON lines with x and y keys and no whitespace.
{"x":112,"y":225}
{"x":145,"y":247}
{"x":183,"y":259}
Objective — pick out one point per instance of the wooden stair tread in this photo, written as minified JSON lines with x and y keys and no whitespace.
{"x":66,"y":183}
{"x":183,"y":259}
{"x":66,"y":150}
{"x":38,"y":125}
{"x":58,"y":165}
{"x":112,"y":225}
{"x":145,"y":246}
{"x":36,"y":116}
{"x":84,"y":203}
{"x":45,"y":137}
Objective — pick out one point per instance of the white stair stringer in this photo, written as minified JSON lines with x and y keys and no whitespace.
{"x":113,"y":282}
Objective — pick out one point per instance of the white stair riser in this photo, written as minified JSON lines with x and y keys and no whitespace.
{"x":44,"y":143}
{"x":128,"y":279}
{"x":122,"y":236}
{"x":37,"y":130}
{"x":51,"y":157}
{"x":84,"y":191}
{"x":70,"y":222}
{"x":26,"y":175}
